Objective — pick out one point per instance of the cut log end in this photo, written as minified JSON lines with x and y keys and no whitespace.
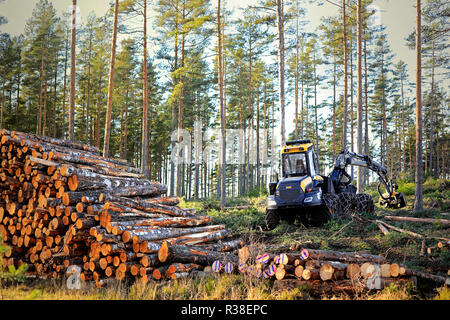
{"x":163,"y":252}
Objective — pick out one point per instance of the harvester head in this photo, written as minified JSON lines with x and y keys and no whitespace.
{"x":394,"y":201}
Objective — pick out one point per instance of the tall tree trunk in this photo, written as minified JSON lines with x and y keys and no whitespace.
{"x":249,"y":175}
{"x":272,"y":143}
{"x":315,"y":110}
{"x":403,"y":125}
{"x":174,"y":122}
{"x":19,"y":76}
{"x":97,"y":124}
{"x":145,"y":134}
{"x":344,"y":39}
{"x":432,"y":110}
{"x":359,"y":142}
{"x":72,"y":73}
{"x":384,"y":153}
{"x":88,"y":102}
{"x":265,"y":141}
{"x":302,"y":120}
{"x":3,"y":96}
{"x":418,"y":195}
{"x":366,"y":112}
{"x":64,"y":128}
{"x":334,"y":108}
{"x":41,"y":88}
{"x":280,"y":20}
{"x":106,"y":140}
{"x":258,"y":169}
{"x":197,"y":147}
{"x":125,"y":135}
{"x":121,"y":130}
{"x":352,"y":122}
{"x":180,"y":167}
{"x":296,"y":77}
{"x":44,"y":107}
{"x":55,"y":82}
{"x":241,"y":143}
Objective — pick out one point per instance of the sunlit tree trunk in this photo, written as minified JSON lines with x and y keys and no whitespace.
{"x":418,"y":196}
{"x":344,"y":39}
{"x":110,"y":84}
{"x":280,"y":20}
{"x":72,"y":73}
{"x":359,"y":142}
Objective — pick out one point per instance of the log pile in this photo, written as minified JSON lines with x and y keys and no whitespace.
{"x":64,"y":205}
{"x":331,"y":270}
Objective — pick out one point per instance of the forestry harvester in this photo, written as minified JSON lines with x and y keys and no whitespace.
{"x":305,"y":194}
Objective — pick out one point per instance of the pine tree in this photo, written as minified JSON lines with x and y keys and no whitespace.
{"x":40,"y":45}
{"x":106,"y":140}
{"x":418,"y":193}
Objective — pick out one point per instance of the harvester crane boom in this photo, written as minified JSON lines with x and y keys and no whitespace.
{"x":345,"y":158}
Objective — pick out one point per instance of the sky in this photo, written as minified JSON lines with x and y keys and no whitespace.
{"x":399,"y":17}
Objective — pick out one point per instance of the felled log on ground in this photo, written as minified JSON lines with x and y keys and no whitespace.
{"x":170,"y":253}
{"x":413,"y":234}
{"x":420,"y":220}
{"x":357,"y":269}
{"x":349,"y":257}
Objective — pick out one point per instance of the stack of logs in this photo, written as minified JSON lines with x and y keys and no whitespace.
{"x":63,"y":205}
{"x":345,"y":271}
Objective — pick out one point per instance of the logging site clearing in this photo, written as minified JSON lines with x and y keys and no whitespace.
{"x":76,"y":225}
{"x":224,"y":150}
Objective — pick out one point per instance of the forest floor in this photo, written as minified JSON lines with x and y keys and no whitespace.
{"x":247,"y":221}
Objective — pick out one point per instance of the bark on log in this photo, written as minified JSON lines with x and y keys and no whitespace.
{"x":311,"y":274}
{"x":159,"y":233}
{"x":197,"y":239}
{"x":163,"y":222}
{"x":172,"y":253}
{"x":151,"y":207}
{"x":223,"y":246}
{"x":87,"y":180}
{"x":383,"y":229}
{"x":180,"y":267}
{"x":348,"y":257}
{"x":428,"y":276}
{"x":413,"y":234}
{"x":55,"y":141}
{"x":421,"y":220}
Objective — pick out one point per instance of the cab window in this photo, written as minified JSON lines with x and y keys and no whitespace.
{"x":295,"y":164}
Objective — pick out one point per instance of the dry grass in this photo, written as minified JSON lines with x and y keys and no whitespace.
{"x":223,"y":287}
{"x":226,"y":287}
